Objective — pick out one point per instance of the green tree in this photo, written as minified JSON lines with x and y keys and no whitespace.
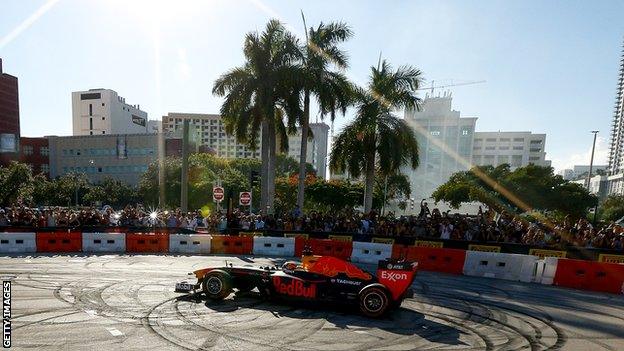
{"x":330,"y":88}
{"x":376,"y":133}
{"x":613,"y":208}
{"x":15,"y":183}
{"x":259,"y":96}
{"x":522,"y":190}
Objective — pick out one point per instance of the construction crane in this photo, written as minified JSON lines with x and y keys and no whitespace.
{"x":432,"y":87}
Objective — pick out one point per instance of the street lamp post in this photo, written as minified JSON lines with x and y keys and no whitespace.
{"x":591,"y":161}
{"x":591,"y":164}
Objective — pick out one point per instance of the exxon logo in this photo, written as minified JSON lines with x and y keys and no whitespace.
{"x":393,"y":276}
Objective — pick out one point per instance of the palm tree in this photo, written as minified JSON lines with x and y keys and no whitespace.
{"x":331,"y":89}
{"x":259,"y":97}
{"x":376,"y":135}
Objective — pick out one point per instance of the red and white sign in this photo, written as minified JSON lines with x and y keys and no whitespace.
{"x":245,"y":198}
{"x":218,"y":194}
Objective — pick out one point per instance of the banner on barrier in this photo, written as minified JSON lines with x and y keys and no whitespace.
{"x":426,"y":243}
{"x":250,"y":234}
{"x":383,"y":240}
{"x":610,"y":258}
{"x":296,"y":235}
{"x":484,"y":248}
{"x":341,"y":237}
{"x":548,"y":253}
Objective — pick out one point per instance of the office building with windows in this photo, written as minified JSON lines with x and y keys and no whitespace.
{"x":445,"y":140}
{"x":616,"y":149}
{"x":35,"y":152}
{"x":208,"y":130}
{"x":9,"y":117}
{"x":517,"y":149}
{"x":102,"y":111}
{"x":120,"y":156}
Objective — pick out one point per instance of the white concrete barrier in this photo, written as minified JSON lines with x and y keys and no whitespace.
{"x":548,"y":273}
{"x":500,"y":265}
{"x":273,"y":246}
{"x":189,"y":243}
{"x":18,"y":242}
{"x":370,"y":252}
{"x":103,"y":242}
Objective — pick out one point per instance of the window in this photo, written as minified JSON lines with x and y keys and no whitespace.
{"x":91,"y":123}
{"x":477,"y":148}
{"x":91,"y":133}
{"x":102,"y":104}
{"x":103,"y":118}
{"x":519,"y":139}
{"x":90,"y":96}
{"x":490,"y":139}
{"x":534,"y":158}
{"x":490,"y":148}
{"x":90,"y":109}
{"x":44,"y":151}
{"x":504,"y":139}
{"x":45,"y":168}
{"x":536,"y":141}
{"x":435,"y":132}
{"x":535,"y":149}
{"x":99,"y":169}
{"x":518,"y":147}
{"x":464,"y":132}
{"x":478,"y":140}
{"x":27,"y":150}
{"x":103,"y":132}
{"x":503,"y":148}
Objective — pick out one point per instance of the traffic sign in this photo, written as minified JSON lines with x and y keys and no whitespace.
{"x":218,"y":194}
{"x":245,"y":198}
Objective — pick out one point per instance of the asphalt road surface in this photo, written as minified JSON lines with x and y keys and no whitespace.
{"x":127,"y":302}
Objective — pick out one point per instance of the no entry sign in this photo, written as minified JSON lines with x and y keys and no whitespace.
{"x":218,"y":193}
{"x":245,"y":198}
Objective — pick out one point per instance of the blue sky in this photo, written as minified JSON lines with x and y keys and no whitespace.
{"x":550,"y":66}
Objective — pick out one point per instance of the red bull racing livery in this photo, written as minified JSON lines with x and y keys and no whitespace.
{"x":315,"y":278}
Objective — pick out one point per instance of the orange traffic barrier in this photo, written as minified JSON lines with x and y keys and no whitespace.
{"x":587,"y":275}
{"x":399,"y":251}
{"x":59,"y":242}
{"x":335,"y":248}
{"x":234,"y":245}
{"x":437,"y":259}
{"x":147,"y":242}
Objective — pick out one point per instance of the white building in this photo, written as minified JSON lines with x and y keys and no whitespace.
{"x":102,"y":111}
{"x":317,"y":147}
{"x":616,"y":150}
{"x":518,"y":149}
{"x":445,"y":140}
{"x":212,"y":134}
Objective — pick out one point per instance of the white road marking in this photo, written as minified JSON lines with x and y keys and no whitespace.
{"x":114,"y":332}
{"x":362,"y":332}
{"x":91,"y":312}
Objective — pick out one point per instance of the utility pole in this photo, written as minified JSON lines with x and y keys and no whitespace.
{"x":184,"y":180}
{"x":591,"y":161}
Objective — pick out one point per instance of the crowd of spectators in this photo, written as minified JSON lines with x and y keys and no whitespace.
{"x":485,"y":226}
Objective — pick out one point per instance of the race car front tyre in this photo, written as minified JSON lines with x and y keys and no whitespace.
{"x":217,"y":285}
{"x":374,"y":301}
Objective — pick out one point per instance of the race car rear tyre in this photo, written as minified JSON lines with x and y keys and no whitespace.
{"x":374,"y":301}
{"x":217,"y":285}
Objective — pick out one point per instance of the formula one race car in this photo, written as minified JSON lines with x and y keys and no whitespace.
{"x":316,"y":278}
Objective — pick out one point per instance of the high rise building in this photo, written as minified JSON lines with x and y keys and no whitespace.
{"x":9,"y":117}
{"x":102,"y":111}
{"x":518,"y":149}
{"x":209,"y":131}
{"x":616,"y":150}
{"x":445,"y":140}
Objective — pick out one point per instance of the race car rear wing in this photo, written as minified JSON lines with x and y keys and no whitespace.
{"x":396,"y":276}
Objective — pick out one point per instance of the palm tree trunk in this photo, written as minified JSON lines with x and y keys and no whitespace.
{"x":305,"y":126}
{"x":272,"y":157}
{"x":369,"y":183}
{"x":264,"y":169}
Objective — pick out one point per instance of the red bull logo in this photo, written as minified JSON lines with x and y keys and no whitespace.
{"x":331,"y":267}
{"x":294,"y":288}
